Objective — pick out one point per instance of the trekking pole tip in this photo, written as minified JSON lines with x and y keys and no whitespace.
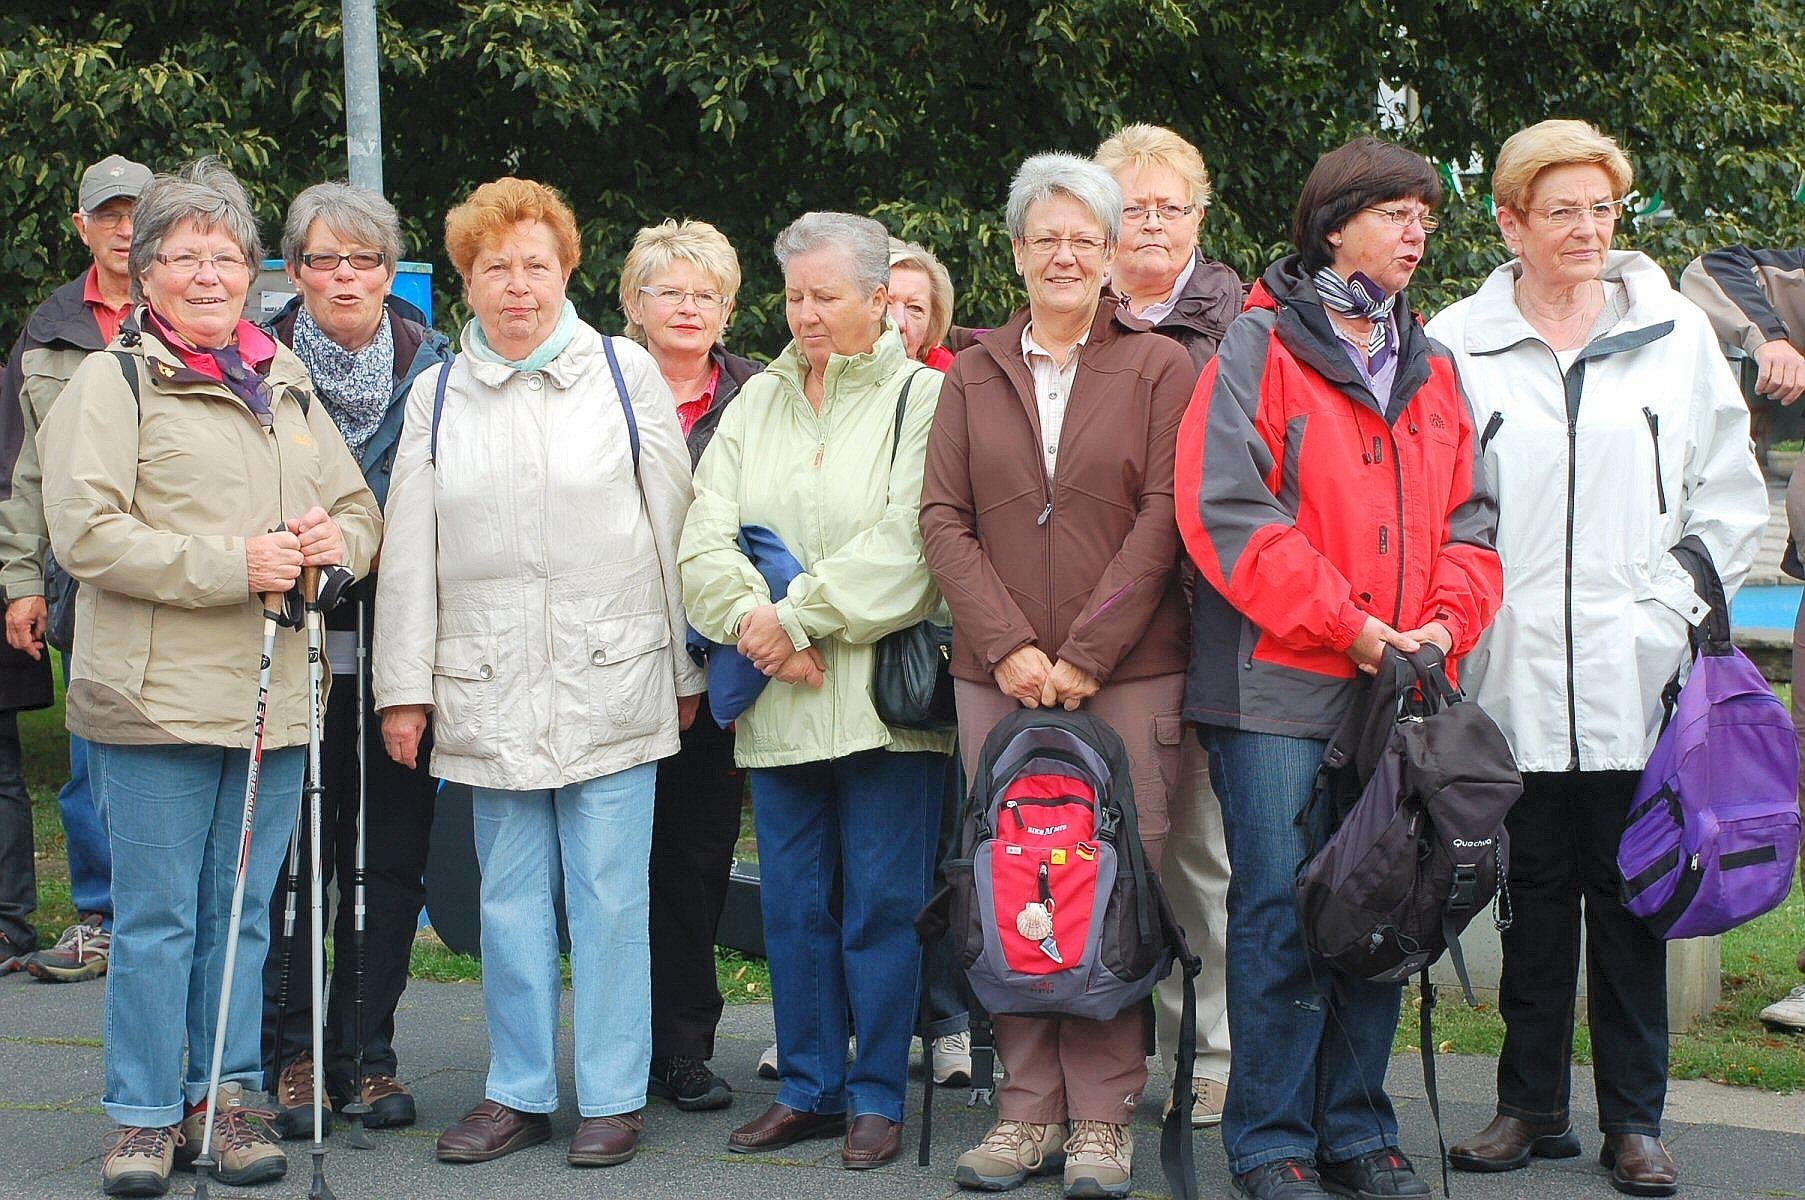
{"x":319,"y":1189}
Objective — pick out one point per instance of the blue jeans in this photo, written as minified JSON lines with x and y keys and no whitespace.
{"x":174,"y":817}
{"x":85,"y":835}
{"x":1310,"y":1047}
{"x":869,"y":818}
{"x":594,"y":840}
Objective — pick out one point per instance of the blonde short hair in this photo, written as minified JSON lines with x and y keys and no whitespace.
{"x":658,"y":246}
{"x":499,"y":205}
{"x":940,"y":285}
{"x":1137,"y":147}
{"x":1557,"y":143}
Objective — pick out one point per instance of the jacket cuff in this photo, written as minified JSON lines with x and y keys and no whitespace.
{"x":402,"y":697}
{"x":1084,"y":662}
{"x":1455,"y":627}
{"x":1675,"y":591}
{"x":1004,"y":646}
{"x":791,"y":621}
{"x":1348,"y":624}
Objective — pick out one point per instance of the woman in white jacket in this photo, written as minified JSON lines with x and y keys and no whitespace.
{"x":1612,"y":429}
{"x":529,"y":600}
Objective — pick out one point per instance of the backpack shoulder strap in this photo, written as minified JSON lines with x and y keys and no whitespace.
{"x":438,"y":409}
{"x":128,"y":367}
{"x":626,"y":404}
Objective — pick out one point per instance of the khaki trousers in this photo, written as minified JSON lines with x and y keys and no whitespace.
{"x":1067,"y":1068}
{"x":1195,"y":875}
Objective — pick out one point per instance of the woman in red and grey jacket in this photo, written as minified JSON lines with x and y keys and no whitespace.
{"x":1326,"y":490}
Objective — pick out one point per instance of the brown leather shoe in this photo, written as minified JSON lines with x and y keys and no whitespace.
{"x":871,"y":1141}
{"x":780,"y":1125}
{"x":1508,"y":1144}
{"x":1640,"y":1165}
{"x":490,"y":1130}
{"x":605,"y":1141}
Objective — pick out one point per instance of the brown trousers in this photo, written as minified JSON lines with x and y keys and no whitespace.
{"x":1067,"y":1068}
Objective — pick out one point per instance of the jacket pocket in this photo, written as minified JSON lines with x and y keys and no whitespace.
{"x":628,"y":681}
{"x":465,"y":684}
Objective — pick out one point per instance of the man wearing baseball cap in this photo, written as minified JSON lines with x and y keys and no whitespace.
{"x":79,"y":318}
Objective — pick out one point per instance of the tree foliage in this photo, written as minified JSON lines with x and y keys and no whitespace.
{"x":747,"y":112}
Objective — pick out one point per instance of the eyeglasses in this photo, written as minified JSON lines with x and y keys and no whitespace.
{"x":108,"y":218}
{"x":360,"y":260}
{"x":1167,"y":212}
{"x":1081,"y":245}
{"x":184,"y":265}
{"x":670,"y":297}
{"x":1565,"y":216}
{"x":1402,"y":217}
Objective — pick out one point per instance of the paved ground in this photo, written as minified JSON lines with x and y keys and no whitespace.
{"x":1730,"y":1142}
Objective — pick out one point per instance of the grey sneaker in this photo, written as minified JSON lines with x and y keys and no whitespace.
{"x":243,"y":1144}
{"x":1009,"y":1153}
{"x":138,"y":1160}
{"x":952,"y":1059}
{"x":1099,"y":1158}
{"x":81,"y":953}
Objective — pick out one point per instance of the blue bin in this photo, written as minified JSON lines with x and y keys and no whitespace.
{"x":273,"y":288}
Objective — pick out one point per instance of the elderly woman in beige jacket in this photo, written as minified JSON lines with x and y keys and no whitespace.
{"x":529,"y":600}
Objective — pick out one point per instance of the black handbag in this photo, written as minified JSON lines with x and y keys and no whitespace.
{"x":59,"y":597}
{"x":912,"y":684}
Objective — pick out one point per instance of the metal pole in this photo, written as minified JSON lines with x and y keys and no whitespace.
{"x":363,"y":99}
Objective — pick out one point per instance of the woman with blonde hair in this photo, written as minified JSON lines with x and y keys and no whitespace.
{"x":921,"y":302}
{"x":530,"y":602}
{"x":1611,"y":430}
{"x":677,"y":290}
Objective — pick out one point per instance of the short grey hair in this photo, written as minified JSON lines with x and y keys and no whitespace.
{"x":356,"y":214}
{"x":1044,"y":176}
{"x":864,"y":242}
{"x":203,"y":191}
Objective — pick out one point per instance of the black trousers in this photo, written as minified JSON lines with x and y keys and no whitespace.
{"x":946,"y":996}
{"x":18,"y":868}
{"x":695,"y":823}
{"x":1563,"y":856}
{"x":399,"y":810}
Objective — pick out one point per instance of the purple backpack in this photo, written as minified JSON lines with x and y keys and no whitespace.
{"x":1713,"y":832}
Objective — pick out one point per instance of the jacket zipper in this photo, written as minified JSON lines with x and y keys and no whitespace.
{"x":1654,"y":433}
{"x":1491,"y":431}
{"x":1397,"y":546}
{"x":1571,"y":382}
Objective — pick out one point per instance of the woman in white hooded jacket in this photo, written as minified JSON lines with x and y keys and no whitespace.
{"x":1611,"y":429}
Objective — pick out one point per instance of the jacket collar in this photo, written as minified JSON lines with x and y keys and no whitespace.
{"x":857,"y":372}
{"x":64,"y":319}
{"x":1494,"y":323}
{"x":583,"y":355}
{"x":406,"y":322}
{"x":170,"y":373}
{"x":1211,"y":299}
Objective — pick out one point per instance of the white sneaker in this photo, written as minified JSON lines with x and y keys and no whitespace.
{"x":952,"y":1059}
{"x":1787,"y":1013}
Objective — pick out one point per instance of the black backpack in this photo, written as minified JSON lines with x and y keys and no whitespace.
{"x":1420,"y":780}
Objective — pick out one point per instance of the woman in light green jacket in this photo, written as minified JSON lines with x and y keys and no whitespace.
{"x":809,"y":451}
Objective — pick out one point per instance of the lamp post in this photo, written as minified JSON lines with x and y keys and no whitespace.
{"x":363,"y":101}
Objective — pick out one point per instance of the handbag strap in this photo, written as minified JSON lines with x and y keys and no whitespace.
{"x":902,"y":406}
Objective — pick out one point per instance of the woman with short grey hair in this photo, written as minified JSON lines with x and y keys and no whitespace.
{"x":823,"y":449}
{"x":363,"y":347}
{"x":166,"y":466}
{"x":1047,"y":519}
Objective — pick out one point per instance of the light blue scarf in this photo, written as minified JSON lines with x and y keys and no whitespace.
{"x":477,"y":346}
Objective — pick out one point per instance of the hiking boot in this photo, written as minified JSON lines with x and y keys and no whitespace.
{"x":1382,"y":1175}
{"x":1207,"y":1101}
{"x":391,"y":1104}
{"x":14,"y":956}
{"x":1286,"y":1179}
{"x":293,"y":1101}
{"x":1099,"y":1157}
{"x":138,"y":1160}
{"x":952,"y":1059}
{"x":243,"y":1146}
{"x":1009,"y":1153}
{"x":1787,"y":1014}
{"x":688,"y":1084}
{"x":81,"y":953}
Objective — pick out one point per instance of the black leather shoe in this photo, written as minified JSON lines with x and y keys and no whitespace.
{"x":1287,"y":1179}
{"x":1382,"y":1175}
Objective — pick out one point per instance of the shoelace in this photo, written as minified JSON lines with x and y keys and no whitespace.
{"x":148,"y":1141}
{"x":688,"y":1072}
{"x":296,"y":1084}
{"x":233,"y":1130}
{"x":1094,"y":1137}
{"x":76,"y":938}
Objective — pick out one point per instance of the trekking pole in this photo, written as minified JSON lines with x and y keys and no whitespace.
{"x":310,"y":594}
{"x":291,"y":891}
{"x":359,"y":1107}
{"x":205,"y":1166}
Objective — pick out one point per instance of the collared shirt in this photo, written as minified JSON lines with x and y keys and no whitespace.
{"x":1052,"y":390}
{"x":1378,"y":382}
{"x":107,"y":316}
{"x":688,"y":414}
{"x":1153,"y":314}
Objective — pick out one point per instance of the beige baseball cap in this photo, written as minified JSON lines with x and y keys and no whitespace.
{"x":111,"y":177}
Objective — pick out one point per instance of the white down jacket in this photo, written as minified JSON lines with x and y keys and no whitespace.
{"x":529,"y":588}
{"x":1599,"y":471}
